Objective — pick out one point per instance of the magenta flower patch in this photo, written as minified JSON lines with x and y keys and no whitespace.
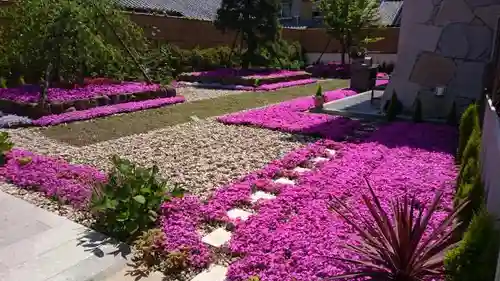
{"x":297,"y":236}
{"x":55,"y":177}
{"x":106,"y":110}
{"x":30,"y":93}
{"x":179,"y":221}
{"x":265,"y":87}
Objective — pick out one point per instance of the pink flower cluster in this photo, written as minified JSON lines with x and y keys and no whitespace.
{"x":55,"y":177}
{"x":101,"y":111}
{"x":265,"y":87}
{"x":30,"y":93}
{"x":179,"y":221}
{"x":290,"y":117}
{"x":246,"y":73}
{"x":297,"y":236}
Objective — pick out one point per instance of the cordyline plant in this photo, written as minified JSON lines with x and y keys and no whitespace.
{"x":393,"y":246}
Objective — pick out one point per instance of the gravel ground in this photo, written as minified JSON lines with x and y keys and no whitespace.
{"x":194,"y":94}
{"x":199,"y":155}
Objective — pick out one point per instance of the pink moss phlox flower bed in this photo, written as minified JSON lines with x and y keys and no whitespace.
{"x":54,"y":177}
{"x":179,"y":221}
{"x":296,"y":235}
{"x":290,"y":117}
{"x":247,"y":73}
{"x":30,"y":93}
{"x":101,"y":111}
{"x":265,"y":87}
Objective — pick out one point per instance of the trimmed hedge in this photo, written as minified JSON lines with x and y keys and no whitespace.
{"x":476,"y":256}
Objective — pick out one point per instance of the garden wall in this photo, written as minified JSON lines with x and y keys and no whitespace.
{"x":189,"y":33}
{"x":490,"y":158}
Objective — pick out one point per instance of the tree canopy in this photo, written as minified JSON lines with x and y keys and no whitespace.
{"x":256,"y":21}
{"x":350,"y":21}
{"x":74,"y":38}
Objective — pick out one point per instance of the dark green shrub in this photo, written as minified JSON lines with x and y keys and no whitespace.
{"x":395,"y":107}
{"x":3,"y":83}
{"x":475,"y":258}
{"x":129,"y":202}
{"x":5,"y":146}
{"x":417,"y":113}
{"x":471,"y":189}
{"x":468,"y":122}
{"x":451,"y":119}
{"x":473,"y":146}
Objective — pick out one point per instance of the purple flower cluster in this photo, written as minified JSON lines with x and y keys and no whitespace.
{"x":55,"y":177}
{"x":179,"y":222}
{"x":105,"y":111}
{"x":290,"y":117}
{"x":265,"y":87}
{"x":30,"y":93}
{"x":297,"y":236}
{"x":246,"y":73}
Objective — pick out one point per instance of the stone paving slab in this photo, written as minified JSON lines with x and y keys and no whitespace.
{"x":37,"y":245}
{"x":214,"y":273}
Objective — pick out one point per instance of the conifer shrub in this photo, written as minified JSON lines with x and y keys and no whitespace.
{"x":475,"y":258}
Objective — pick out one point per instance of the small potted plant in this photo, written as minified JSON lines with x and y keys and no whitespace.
{"x":319,"y":98}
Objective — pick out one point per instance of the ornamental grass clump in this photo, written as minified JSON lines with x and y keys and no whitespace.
{"x":398,"y":245}
{"x":130,"y":200}
{"x":468,"y":121}
{"x":475,"y":258}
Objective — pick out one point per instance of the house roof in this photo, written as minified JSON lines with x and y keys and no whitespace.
{"x":198,"y":9}
{"x":390,"y":12}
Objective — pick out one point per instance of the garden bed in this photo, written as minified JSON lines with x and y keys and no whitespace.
{"x":292,"y":116}
{"x":290,"y":232}
{"x":23,"y":100}
{"x":245,"y":79}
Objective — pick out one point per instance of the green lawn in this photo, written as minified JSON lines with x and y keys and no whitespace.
{"x":112,"y":127}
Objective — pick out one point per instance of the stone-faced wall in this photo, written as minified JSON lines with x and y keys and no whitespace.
{"x":443,"y":43}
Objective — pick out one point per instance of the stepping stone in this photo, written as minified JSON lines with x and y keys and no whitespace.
{"x":285,"y":181}
{"x":319,"y":160}
{"x":238,"y":214}
{"x":214,"y":273}
{"x":261,"y":195}
{"x":217,"y":238}
{"x":331,"y":152}
{"x":301,"y":170}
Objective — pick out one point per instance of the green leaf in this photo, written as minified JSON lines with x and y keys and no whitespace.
{"x":140,"y":199}
{"x":178,"y":192}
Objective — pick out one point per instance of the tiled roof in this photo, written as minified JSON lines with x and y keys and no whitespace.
{"x":198,"y":9}
{"x":390,"y":12}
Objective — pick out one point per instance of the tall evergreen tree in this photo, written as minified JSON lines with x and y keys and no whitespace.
{"x":255,"y":20}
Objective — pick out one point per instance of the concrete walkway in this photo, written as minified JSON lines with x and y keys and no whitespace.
{"x":36,"y":245}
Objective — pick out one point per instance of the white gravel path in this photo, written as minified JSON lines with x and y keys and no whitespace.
{"x":194,"y":94}
{"x":198,"y":155}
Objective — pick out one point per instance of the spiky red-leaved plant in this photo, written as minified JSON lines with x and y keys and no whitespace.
{"x":393,"y":247}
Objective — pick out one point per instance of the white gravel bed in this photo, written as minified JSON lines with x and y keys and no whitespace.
{"x":194,"y":94}
{"x":198,"y":155}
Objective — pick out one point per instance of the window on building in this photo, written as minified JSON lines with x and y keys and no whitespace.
{"x":286,"y":9}
{"x":316,"y":11}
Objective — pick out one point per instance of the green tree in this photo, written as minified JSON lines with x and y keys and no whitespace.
{"x":256,"y":21}
{"x":350,"y":21}
{"x":73,"y":38}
